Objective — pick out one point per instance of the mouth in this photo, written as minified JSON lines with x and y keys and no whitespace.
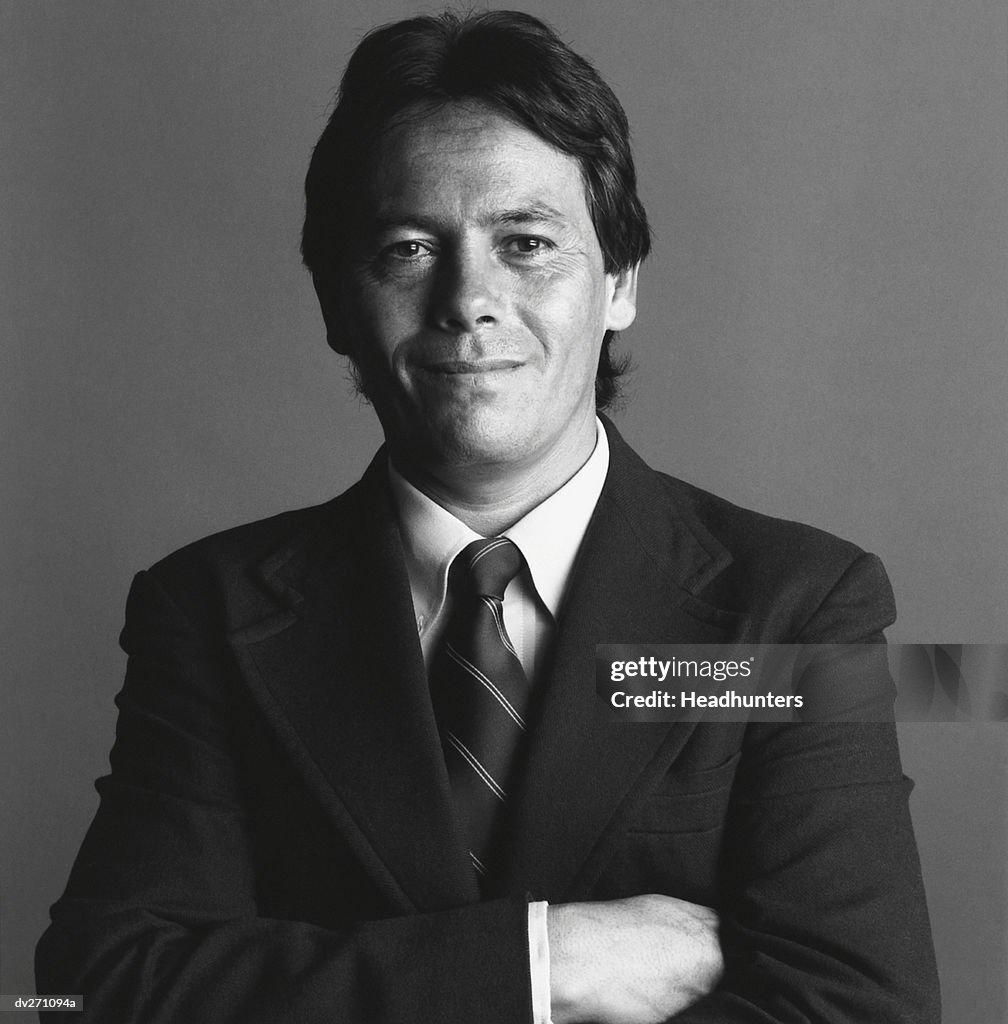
{"x":471,"y":367}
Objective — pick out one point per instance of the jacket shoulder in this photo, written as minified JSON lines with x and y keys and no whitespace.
{"x":247,"y":543}
{"x":217,"y":580}
{"x":789,"y":580}
{"x":757,"y":539}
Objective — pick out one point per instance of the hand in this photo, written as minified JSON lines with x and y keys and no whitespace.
{"x":639,"y":960}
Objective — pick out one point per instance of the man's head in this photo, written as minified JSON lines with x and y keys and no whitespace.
{"x":499,"y":79}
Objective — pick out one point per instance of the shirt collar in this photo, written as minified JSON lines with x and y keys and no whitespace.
{"x":549,"y":536}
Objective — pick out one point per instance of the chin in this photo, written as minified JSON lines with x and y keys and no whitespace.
{"x":476,"y":448}
{"x":478,"y":423}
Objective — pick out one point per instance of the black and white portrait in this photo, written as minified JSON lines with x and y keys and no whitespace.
{"x":381,"y":361}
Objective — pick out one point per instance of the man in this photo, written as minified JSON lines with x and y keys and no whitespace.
{"x":357,"y":774}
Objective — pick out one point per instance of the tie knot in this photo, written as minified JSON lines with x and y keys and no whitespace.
{"x":485,"y":567}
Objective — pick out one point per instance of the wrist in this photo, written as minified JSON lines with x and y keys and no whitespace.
{"x":571,"y":974}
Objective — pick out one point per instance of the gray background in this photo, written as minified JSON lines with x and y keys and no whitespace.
{"x":822,"y":335}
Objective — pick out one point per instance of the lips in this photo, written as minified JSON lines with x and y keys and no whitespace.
{"x":451,"y":367}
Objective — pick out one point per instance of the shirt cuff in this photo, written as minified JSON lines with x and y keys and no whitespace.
{"x":539,"y":965}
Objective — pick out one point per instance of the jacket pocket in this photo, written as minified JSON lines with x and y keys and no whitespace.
{"x":685,"y":801}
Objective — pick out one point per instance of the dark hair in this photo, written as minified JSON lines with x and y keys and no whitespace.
{"x":512,"y":62}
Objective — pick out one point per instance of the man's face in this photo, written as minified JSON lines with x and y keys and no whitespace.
{"x":475,"y":301}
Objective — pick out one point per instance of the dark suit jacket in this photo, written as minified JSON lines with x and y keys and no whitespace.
{"x":276,"y":839}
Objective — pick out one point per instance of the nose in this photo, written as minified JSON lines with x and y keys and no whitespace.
{"x":469,"y":292}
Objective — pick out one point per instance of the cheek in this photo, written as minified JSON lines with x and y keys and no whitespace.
{"x":380,"y":320}
{"x":568,"y":319}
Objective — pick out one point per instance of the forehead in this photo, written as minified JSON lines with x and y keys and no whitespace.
{"x":470,"y":156}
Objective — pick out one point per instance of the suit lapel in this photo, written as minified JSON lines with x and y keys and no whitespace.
{"x":340,"y":674}
{"x":640,"y":565}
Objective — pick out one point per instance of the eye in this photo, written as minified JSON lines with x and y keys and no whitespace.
{"x":527,"y":245}
{"x":410,"y":249}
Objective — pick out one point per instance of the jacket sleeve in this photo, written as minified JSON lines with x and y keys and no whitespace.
{"x":161,"y":918}
{"x":824,"y":916}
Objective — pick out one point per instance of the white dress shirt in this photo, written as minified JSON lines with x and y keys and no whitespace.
{"x":549,"y":537}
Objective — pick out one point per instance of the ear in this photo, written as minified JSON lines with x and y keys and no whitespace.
{"x":327,"y":291}
{"x":623,"y":305}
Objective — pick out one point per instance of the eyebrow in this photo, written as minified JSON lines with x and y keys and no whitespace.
{"x":524,"y":214}
{"x":532,"y":212}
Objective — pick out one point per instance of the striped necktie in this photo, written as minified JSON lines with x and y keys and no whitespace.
{"x":480,"y":693}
